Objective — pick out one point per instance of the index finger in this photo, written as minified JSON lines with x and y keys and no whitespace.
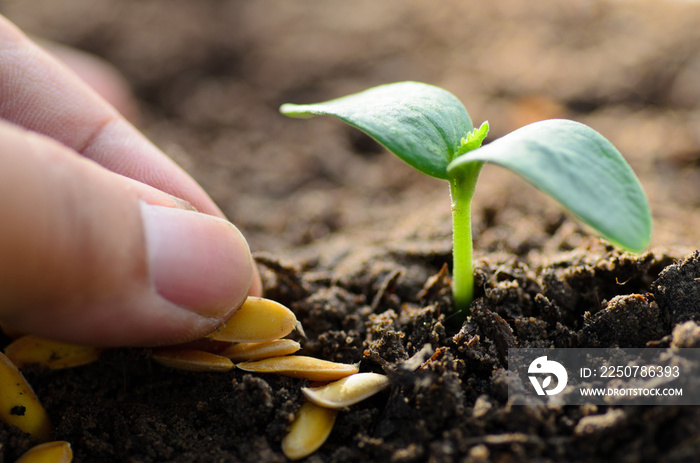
{"x":40,"y":94}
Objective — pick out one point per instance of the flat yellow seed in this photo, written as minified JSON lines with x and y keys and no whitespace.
{"x":191,"y":360}
{"x":32,"y":349}
{"x":249,"y":351}
{"x":299,"y":366}
{"x":50,"y":452}
{"x":257,"y":320}
{"x":347,"y":391}
{"x":311,"y":427}
{"x":19,"y":406}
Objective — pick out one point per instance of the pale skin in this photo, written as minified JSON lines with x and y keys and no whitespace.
{"x":104,"y":240}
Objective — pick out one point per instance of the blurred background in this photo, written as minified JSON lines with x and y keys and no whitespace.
{"x":210,"y":75}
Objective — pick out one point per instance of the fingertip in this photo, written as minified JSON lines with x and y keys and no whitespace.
{"x":84,"y":259}
{"x":197,"y":261}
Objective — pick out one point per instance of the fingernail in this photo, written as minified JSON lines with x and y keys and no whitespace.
{"x":197,"y":261}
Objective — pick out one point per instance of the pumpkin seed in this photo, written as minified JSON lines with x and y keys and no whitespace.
{"x":257,"y":320}
{"x":49,"y":452}
{"x":249,"y":351}
{"x":56,"y":355}
{"x":191,"y":360}
{"x":19,"y":406}
{"x":300,"y":366}
{"x":311,"y":427}
{"x":347,"y":391}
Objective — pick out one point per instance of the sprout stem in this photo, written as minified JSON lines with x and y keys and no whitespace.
{"x":461,"y":191}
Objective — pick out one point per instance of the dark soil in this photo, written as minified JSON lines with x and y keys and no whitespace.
{"x":358,"y":245}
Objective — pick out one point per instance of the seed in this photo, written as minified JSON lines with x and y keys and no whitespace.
{"x":32,"y":349}
{"x":249,"y":351}
{"x":191,"y":360}
{"x":19,"y":406}
{"x":50,"y":452}
{"x":204,"y":344}
{"x":257,"y":320}
{"x":311,"y":427}
{"x":347,"y":391}
{"x":299,"y":366}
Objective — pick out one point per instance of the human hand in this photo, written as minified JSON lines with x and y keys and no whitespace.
{"x":104,"y":240}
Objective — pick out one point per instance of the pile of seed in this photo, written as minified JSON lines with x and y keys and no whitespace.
{"x":252,"y":340}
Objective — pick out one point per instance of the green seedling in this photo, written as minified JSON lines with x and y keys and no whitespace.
{"x":430,"y":129}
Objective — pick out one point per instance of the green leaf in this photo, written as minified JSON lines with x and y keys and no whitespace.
{"x":579,"y":168}
{"x":421,"y":124}
{"x":474,"y":139}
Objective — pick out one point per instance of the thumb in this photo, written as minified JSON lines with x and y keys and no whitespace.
{"x":90,"y":256}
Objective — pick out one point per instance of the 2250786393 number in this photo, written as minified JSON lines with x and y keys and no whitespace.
{"x":636,"y":371}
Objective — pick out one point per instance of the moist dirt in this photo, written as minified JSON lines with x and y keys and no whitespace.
{"x":358,"y":245}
